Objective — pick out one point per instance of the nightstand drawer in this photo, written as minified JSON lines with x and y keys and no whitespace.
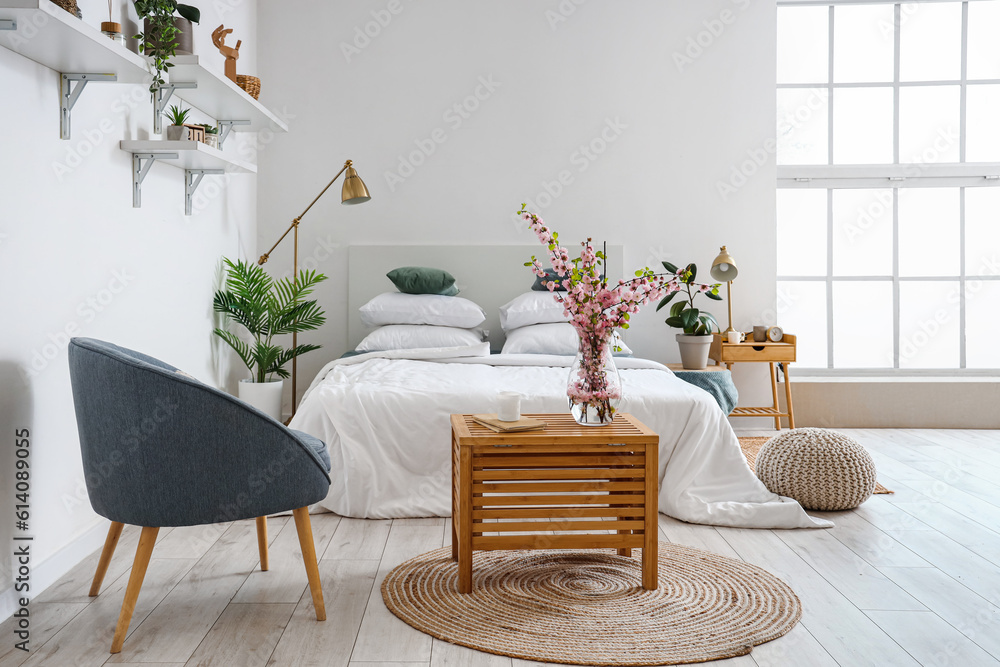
{"x":747,"y":352}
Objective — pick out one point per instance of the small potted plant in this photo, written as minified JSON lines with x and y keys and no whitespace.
{"x":211,"y":135}
{"x":697,"y":325}
{"x":167,"y":31}
{"x":267,"y":308}
{"x":176,"y":130}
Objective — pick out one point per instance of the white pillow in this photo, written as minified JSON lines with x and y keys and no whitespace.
{"x":399,"y":308}
{"x":415,"y":336}
{"x":531,"y":308}
{"x":558,"y":338}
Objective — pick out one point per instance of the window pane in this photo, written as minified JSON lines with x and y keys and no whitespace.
{"x":862,"y":126}
{"x":803,"y":122}
{"x":801,"y":232}
{"x":803,"y":45}
{"x":929,"y":124}
{"x":982,"y":233}
{"x":863,"y":40}
{"x":930,"y":41}
{"x":981,"y":299}
{"x":862,"y":232}
{"x":984,"y":47}
{"x":862,"y":324}
{"x":928,"y":232}
{"x":802,"y":313}
{"x":983,"y":117}
{"x":928,"y":324}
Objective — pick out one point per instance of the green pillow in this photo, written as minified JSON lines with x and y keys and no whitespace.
{"x":423,"y":280}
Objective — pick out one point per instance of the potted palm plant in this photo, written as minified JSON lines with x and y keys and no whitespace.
{"x":267,"y":308}
{"x":697,"y":325}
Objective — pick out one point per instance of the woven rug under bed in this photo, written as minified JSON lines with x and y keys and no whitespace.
{"x":751,"y":447}
{"x":588,"y":607}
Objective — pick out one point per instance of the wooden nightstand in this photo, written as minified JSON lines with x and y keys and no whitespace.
{"x":726,"y":353}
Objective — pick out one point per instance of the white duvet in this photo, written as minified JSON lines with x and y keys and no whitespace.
{"x":385,"y":418}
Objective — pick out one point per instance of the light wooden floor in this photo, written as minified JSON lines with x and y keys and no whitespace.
{"x":907,"y":579}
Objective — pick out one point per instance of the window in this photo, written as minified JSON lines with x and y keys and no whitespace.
{"x":888,"y":210}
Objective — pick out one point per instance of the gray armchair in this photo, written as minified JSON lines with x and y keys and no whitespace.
{"x":163,"y":449}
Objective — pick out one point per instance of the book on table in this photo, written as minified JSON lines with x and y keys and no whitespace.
{"x":522,"y":424}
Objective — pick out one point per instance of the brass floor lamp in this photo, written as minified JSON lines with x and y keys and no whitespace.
{"x":353,"y":192}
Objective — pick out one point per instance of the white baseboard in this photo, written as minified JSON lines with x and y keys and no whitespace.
{"x":8,"y":603}
{"x":49,"y":571}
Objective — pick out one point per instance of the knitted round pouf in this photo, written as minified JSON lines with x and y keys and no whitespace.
{"x":823,"y":470}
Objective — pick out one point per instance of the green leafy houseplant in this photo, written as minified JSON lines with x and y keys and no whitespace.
{"x":683,"y":314}
{"x":160,"y":42}
{"x":176,"y":115}
{"x":267,"y":308}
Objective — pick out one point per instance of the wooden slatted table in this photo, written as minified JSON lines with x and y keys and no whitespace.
{"x":580,"y":481}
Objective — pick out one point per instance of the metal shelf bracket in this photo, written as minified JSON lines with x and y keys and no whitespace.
{"x":69,"y":94}
{"x":226,"y":126}
{"x":160,"y":99}
{"x":141,"y":168}
{"x":8,"y":24}
{"x":192,"y":179}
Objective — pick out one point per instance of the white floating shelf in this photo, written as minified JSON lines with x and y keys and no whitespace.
{"x":191,"y":155}
{"x":195,"y":158}
{"x":221,"y":98}
{"x":51,"y":36}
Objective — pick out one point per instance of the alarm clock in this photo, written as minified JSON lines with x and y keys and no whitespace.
{"x":775,"y":334}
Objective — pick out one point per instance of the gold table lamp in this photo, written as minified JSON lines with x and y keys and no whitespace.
{"x":724,"y":270}
{"x":353,"y":192}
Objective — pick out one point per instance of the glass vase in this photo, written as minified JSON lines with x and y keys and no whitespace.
{"x":595,"y":387}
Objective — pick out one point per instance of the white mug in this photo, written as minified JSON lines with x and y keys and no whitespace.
{"x":736,"y":337}
{"x":508,"y":406}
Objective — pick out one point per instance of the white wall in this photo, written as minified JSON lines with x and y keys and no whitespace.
{"x":565,"y":72}
{"x":77,"y":259}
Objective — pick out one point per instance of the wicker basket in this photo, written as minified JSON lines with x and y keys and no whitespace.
{"x":250,"y":84}
{"x":68,"y":5}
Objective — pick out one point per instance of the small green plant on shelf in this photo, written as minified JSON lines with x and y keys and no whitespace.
{"x":160,"y":42}
{"x":209,"y":129}
{"x":176,"y":115}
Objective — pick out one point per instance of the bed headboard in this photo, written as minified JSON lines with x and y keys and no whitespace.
{"x":490,"y":275}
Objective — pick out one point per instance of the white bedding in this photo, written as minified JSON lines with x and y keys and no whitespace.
{"x":385,"y":418}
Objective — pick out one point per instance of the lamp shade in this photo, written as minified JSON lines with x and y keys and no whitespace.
{"x":354,"y":190}
{"x":724,"y":267}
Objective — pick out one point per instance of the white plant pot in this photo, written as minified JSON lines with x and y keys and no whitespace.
{"x":176,"y":133}
{"x":694,"y":350}
{"x":265,"y":396}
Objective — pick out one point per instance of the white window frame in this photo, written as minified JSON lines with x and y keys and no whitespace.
{"x":830,"y":177}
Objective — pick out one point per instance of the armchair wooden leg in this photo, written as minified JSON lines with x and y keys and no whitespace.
{"x":304,"y":528}
{"x":114,"y":532}
{"x":146,"y":542}
{"x":262,"y":542}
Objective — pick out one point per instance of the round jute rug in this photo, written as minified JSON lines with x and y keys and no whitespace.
{"x":589,"y":608}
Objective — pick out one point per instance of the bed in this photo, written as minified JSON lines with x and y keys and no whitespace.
{"x":385,"y":415}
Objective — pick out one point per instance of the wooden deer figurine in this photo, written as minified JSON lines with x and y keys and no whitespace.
{"x":231,"y":54}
